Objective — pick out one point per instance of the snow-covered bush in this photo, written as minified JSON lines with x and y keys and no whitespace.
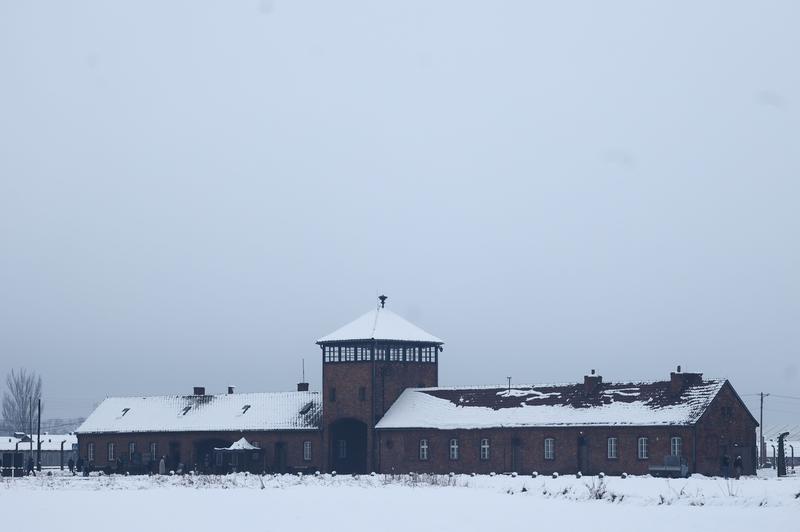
{"x":555,"y":474}
{"x":535,"y":474}
{"x":624,"y":475}
{"x":578,"y":474}
{"x":513,"y":474}
{"x":601,"y":475}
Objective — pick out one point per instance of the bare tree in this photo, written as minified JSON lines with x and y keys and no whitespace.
{"x":21,"y":398}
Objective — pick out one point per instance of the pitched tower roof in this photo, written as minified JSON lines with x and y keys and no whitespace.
{"x":380,"y":324}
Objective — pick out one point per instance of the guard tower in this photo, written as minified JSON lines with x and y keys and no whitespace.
{"x":366,"y":365}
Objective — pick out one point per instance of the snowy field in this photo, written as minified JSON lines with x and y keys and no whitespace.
{"x":407,"y":503}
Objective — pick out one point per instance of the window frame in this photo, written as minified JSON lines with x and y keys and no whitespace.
{"x":111,"y":451}
{"x":307,"y":451}
{"x":453,"y":449}
{"x":423,"y":448}
{"x":642,"y":444}
{"x":485,"y":449}
{"x":341,"y":449}
{"x":549,"y":448}
{"x":612,"y":448}
{"x":673,"y":447}
{"x":131,"y":450}
{"x":90,"y":452}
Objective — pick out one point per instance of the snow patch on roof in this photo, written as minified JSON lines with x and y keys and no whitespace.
{"x":380,"y":324}
{"x":642,"y":404}
{"x":196,"y":413}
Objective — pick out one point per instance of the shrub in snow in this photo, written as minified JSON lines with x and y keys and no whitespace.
{"x":535,"y":474}
{"x":452,"y":474}
{"x":624,"y":475}
{"x":372,"y":474}
{"x":316,"y":473}
{"x":555,"y":474}
{"x":299,"y":473}
{"x":601,"y":475}
{"x":172,"y":472}
{"x":472,"y":474}
{"x":513,"y":474}
{"x":333,"y":473}
{"x":491,"y":474}
{"x":578,"y":474}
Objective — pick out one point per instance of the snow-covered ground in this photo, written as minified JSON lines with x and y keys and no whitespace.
{"x":407,"y":503}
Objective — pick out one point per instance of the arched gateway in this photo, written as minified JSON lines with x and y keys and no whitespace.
{"x":366,"y":365}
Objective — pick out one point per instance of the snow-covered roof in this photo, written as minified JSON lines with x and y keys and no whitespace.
{"x":380,"y":324}
{"x":645,"y":404}
{"x":239,"y":445}
{"x":50,"y":442}
{"x":190,"y":413}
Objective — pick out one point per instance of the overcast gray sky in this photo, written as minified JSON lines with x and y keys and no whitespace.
{"x":191,"y":193}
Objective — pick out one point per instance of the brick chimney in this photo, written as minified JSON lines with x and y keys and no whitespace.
{"x":302,"y":386}
{"x":679,"y":381}
{"x":199,"y":390}
{"x":591,"y":383}
{"x":231,"y":389}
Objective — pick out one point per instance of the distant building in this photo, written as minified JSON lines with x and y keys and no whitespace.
{"x":381,"y":410}
{"x":56,"y":448}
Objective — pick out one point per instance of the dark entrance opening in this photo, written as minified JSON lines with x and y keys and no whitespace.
{"x":348,"y":446}
{"x":279,"y":460}
{"x":516,"y":454}
{"x":583,"y":455}
{"x":205,"y":456}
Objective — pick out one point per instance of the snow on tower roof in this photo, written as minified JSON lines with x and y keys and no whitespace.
{"x":197,"y":413}
{"x":380,"y":324}
{"x":642,"y":404}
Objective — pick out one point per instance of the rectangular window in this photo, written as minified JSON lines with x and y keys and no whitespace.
{"x":349,"y":354}
{"x":380,"y":354}
{"x":549,"y":449}
{"x":485,"y":449}
{"x":331,"y":353}
{"x":112,"y":455}
{"x":429,"y":354}
{"x":90,"y":453}
{"x":642,"y":448}
{"x":307,"y":451}
{"x":342,"y":448}
{"x":395,"y":354}
{"x":153,"y":451}
{"x":412,"y":354}
{"x":218,"y":459}
{"x":131,"y":450}
{"x":362,"y":394}
{"x":454,"y":449}
{"x":675,"y":444}
{"x":423,"y":449}
{"x":362,"y":354}
{"x":332,"y":395}
{"x":612,"y":448}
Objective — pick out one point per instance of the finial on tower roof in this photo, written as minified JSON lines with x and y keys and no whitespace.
{"x":383,"y":300}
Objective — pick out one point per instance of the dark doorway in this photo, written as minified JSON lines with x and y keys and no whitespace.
{"x":516,"y":454}
{"x":279,"y":461}
{"x":205,"y":455}
{"x":583,"y":455}
{"x":348,"y":446}
{"x":174,"y":458}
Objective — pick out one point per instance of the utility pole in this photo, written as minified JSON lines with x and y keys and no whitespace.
{"x":762,"y":445}
{"x":39,"y":437}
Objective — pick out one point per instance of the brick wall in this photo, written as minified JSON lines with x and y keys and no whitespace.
{"x":188,"y":444}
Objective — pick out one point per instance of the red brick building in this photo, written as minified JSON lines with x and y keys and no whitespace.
{"x":381,"y":410}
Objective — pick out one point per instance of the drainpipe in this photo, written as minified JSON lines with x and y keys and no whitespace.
{"x":62,"y":454}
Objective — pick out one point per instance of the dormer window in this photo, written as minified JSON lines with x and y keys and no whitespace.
{"x":245,"y":408}
{"x":186,"y":409}
{"x":305,"y":410}
{"x":125,"y":411}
